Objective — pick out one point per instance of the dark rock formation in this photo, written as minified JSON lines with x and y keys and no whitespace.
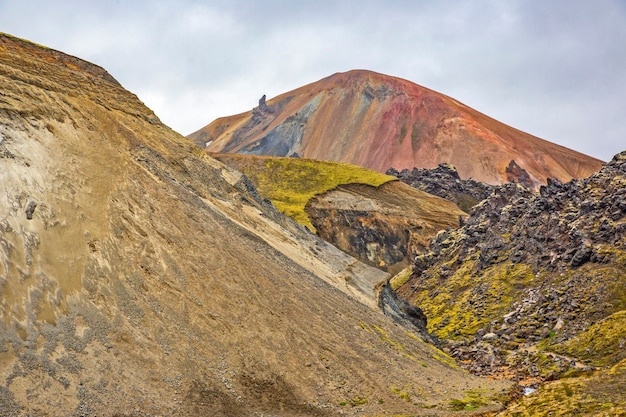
{"x":515,"y":173}
{"x":262,"y":105}
{"x":404,"y":313}
{"x":384,"y":226}
{"x":527,"y":268}
{"x":445,"y":182}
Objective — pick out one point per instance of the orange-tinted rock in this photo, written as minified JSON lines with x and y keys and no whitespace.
{"x":377,"y":121}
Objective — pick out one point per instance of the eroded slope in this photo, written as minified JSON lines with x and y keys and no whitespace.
{"x":139,"y":277}
{"x":385,"y":226}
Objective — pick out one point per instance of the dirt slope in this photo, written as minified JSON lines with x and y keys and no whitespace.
{"x":379,"y":122}
{"x":385,"y":226}
{"x":140,"y":277}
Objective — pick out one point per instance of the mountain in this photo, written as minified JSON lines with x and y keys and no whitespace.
{"x":381,"y":122}
{"x":140,"y":277}
{"x":533,"y":287}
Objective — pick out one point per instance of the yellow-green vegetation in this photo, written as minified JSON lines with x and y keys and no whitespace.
{"x":470,"y":301}
{"x":401,"y":278}
{"x":604,"y":344}
{"x":401,"y":393}
{"x":400,"y":347}
{"x":356,"y":401}
{"x":436,"y":354}
{"x":289,"y":183}
{"x":384,"y":337}
{"x":599,"y":394}
{"x":473,"y":400}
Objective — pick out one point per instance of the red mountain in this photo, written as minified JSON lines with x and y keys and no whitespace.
{"x":378,"y":121}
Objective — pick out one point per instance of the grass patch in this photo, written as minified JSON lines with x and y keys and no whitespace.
{"x":401,"y":393}
{"x":473,"y":400}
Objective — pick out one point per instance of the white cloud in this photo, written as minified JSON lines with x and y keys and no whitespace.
{"x":554,"y":69}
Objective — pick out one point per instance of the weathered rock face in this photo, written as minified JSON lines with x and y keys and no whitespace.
{"x":377,"y":121}
{"x":445,"y":182}
{"x":384,"y":226}
{"x":140,"y":277}
{"x":528,"y":269}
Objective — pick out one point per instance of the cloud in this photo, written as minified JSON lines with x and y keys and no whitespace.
{"x":553,"y":69}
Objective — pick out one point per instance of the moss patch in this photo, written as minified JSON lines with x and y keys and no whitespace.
{"x":472,"y":401}
{"x":600,"y":394}
{"x":401,"y":278}
{"x":289,"y":183}
{"x":603,"y":344}
{"x":471,"y":301}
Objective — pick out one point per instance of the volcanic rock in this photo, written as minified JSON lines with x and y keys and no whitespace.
{"x":385,"y":226}
{"x":539,"y":268}
{"x":444,"y":181}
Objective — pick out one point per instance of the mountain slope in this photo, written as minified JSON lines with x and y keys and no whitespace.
{"x":379,"y":122}
{"x":138,"y":276}
{"x":385,"y":226}
{"x":368,"y":215}
{"x":534,"y":286}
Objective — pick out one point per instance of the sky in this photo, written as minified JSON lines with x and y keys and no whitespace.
{"x":555,"y":69}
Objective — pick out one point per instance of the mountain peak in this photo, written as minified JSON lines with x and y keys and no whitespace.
{"x":380,"y":122}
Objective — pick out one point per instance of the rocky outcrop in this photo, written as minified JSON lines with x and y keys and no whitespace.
{"x":384,"y":226}
{"x":403,"y":312}
{"x":377,"y":121}
{"x":515,"y":173}
{"x":444,"y":181}
{"x":529,"y":270}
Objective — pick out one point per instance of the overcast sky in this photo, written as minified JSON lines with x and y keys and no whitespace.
{"x":555,"y":69}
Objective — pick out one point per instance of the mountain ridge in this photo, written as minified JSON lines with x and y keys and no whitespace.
{"x":381,"y":122}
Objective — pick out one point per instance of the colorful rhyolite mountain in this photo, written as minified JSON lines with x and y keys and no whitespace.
{"x":378,"y":121}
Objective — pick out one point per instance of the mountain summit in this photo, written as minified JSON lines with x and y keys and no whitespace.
{"x":379,"y":122}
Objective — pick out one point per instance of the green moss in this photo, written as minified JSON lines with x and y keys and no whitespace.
{"x":401,"y":393}
{"x":600,"y":394}
{"x":466,"y":301}
{"x":473,"y":400}
{"x":289,"y":183}
{"x":601,"y":345}
{"x":401,"y":278}
{"x":399,"y":347}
